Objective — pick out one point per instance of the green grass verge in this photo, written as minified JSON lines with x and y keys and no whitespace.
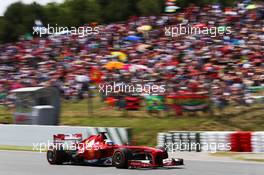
{"x":255,"y":157}
{"x":250,"y":159}
{"x":5,"y":115}
{"x":16,"y":148}
{"x":146,"y":127}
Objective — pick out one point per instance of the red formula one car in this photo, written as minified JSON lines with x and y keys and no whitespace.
{"x":98,"y":150}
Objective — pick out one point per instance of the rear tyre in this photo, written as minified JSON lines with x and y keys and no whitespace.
{"x":55,"y":157}
{"x":121,"y":158}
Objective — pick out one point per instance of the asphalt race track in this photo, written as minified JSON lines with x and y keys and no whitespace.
{"x":32,"y":163}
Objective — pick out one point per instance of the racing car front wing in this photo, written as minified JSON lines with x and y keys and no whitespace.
{"x":144,"y":164}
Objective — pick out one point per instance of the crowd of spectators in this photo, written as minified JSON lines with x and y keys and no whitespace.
{"x":223,"y":66}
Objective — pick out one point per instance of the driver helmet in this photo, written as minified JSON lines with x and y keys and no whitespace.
{"x":109,"y":142}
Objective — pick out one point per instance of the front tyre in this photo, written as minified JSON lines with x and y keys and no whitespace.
{"x":165,"y":155}
{"x":121,"y":157}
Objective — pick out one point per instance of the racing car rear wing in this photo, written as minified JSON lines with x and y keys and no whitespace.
{"x":62,"y":138}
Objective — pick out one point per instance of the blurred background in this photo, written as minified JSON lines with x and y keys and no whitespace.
{"x":212,"y":83}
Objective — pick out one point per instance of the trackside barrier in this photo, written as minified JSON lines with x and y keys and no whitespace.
{"x":26,"y":135}
{"x":257,"y":141}
{"x":221,"y":139}
{"x":212,"y":141}
{"x":180,"y":141}
{"x":241,"y":142}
